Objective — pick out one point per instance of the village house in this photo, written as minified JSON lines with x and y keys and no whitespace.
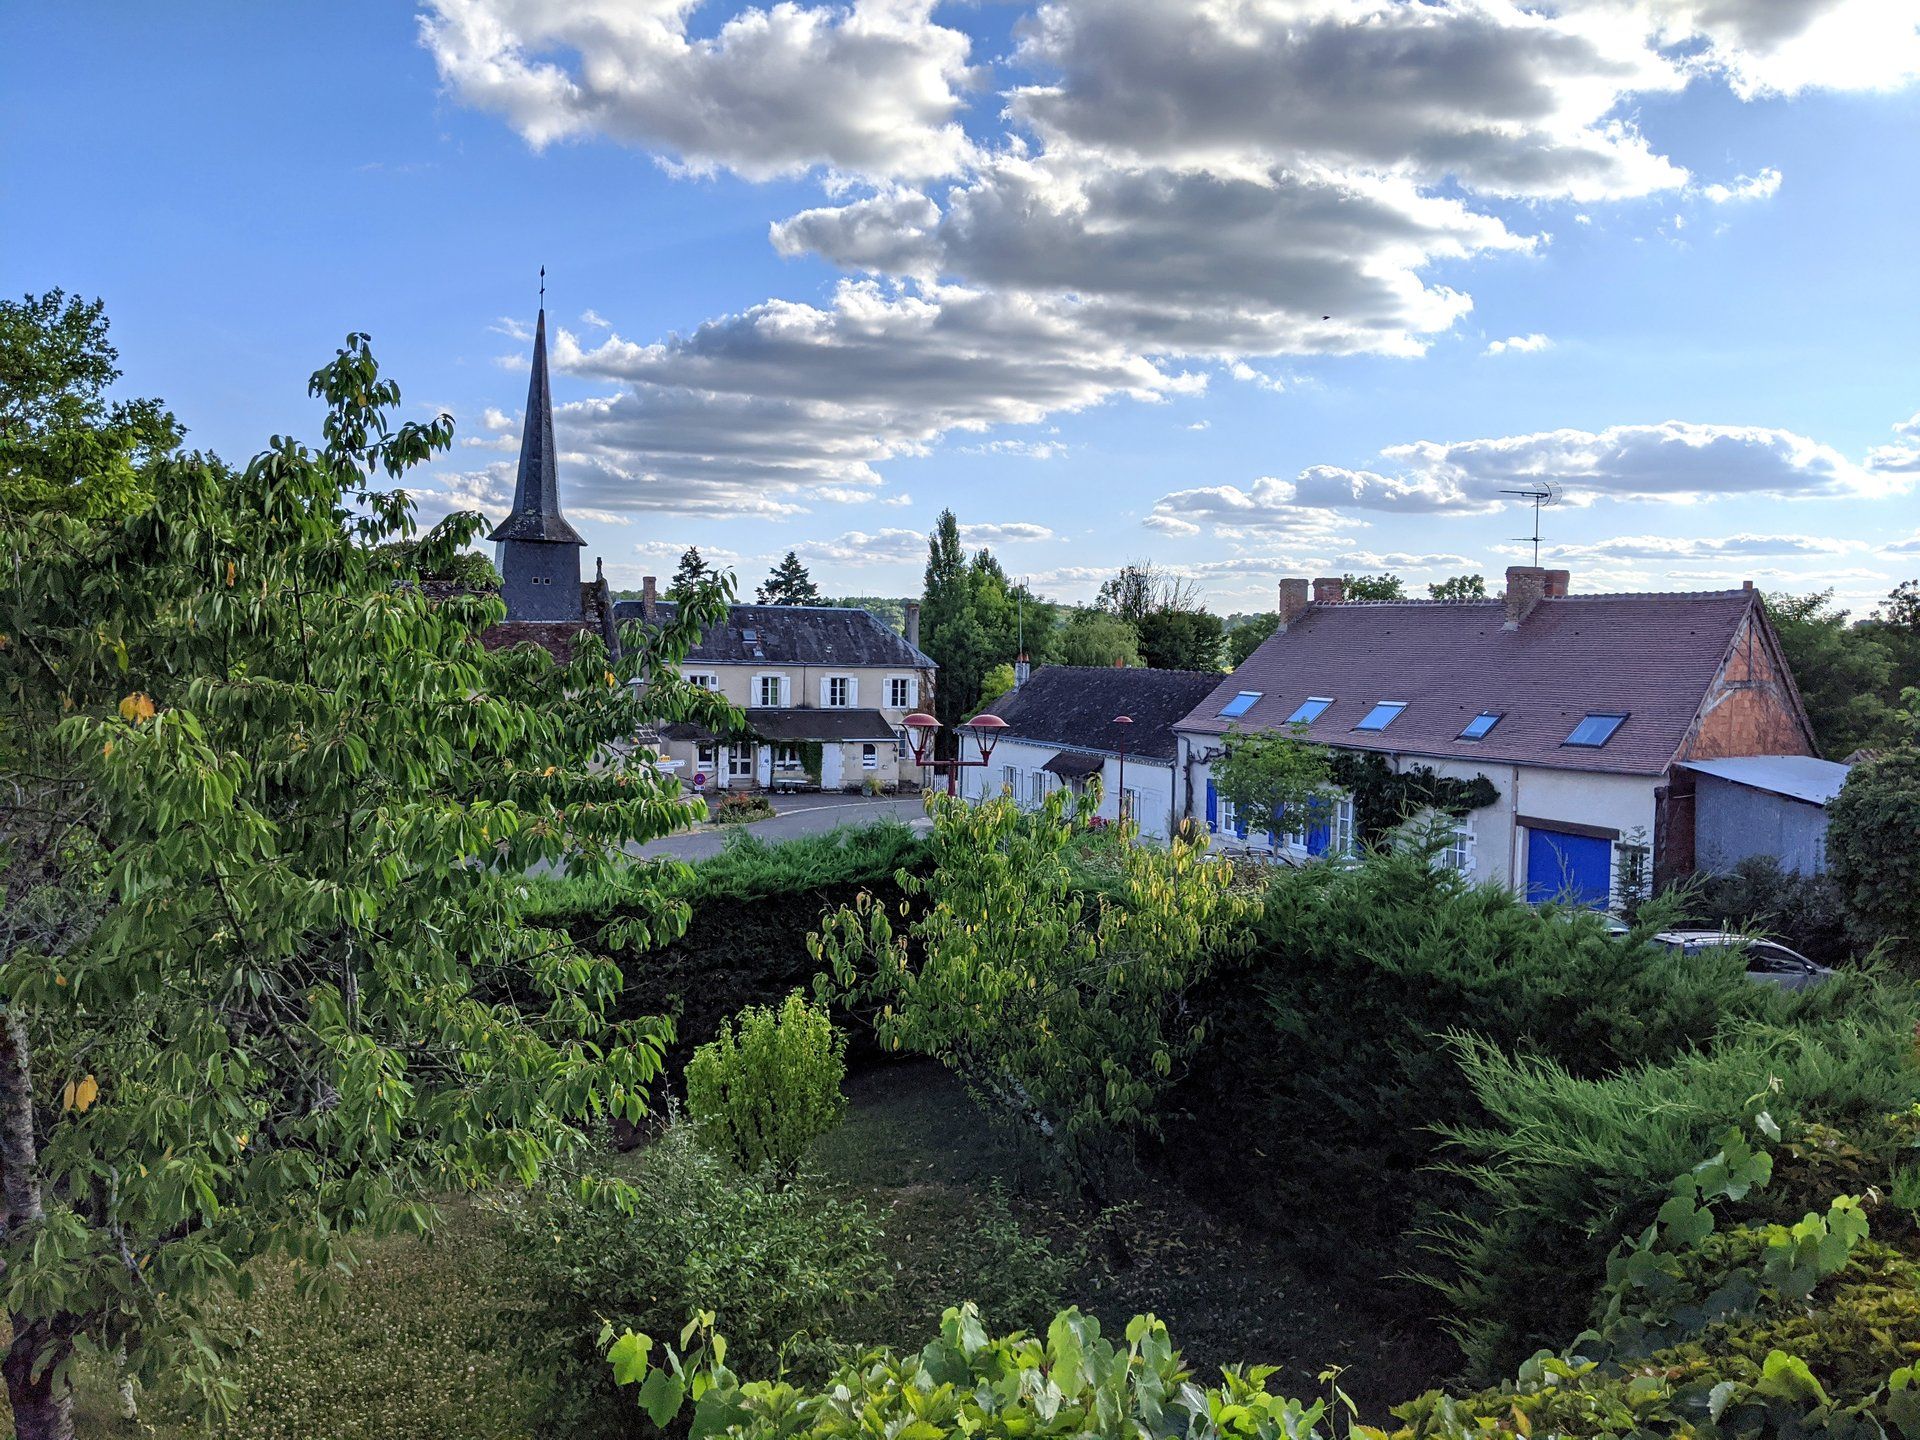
{"x":1585,"y":713}
{"x":1064,"y":728}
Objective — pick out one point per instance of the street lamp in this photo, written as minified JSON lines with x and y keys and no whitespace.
{"x":1125,"y":722}
{"x":986,"y":734}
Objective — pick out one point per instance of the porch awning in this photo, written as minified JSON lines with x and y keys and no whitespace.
{"x":788,"y":725}
{"x":1074,"y":765}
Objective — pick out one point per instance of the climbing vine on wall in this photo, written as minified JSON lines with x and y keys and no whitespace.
{"x":810,"y":758}
{"x":1384,"y":798}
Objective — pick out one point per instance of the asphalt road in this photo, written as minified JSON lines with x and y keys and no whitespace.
{"x":796,"y":815}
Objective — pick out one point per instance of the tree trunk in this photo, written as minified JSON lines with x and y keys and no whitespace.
{"x":35,"y":1363}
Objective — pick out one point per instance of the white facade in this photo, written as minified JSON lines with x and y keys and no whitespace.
{"x":1019,"y":767}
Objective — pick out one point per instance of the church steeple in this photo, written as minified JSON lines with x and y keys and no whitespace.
{"x":538,"y":551}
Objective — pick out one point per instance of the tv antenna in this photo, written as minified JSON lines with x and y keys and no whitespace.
{"x":1542,"y":493}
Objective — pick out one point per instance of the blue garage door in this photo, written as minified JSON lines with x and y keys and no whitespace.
{"x":1560,"y":866}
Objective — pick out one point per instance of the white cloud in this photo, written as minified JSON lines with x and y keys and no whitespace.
{"x":1025,"y":449}
{"x":1763,"y":47}
{"x":870,"y":88}
{"x":1519,"y":345}
{"x":495,"y":418}
{"x":1660,"y":547}
{"x":1908,"y":546}
{"x":1903,"y":457}
{"x":593,"y":320}
{"x":1267,"y":508}
{"x":1397,"y":560}
{"x":856,"y":547}
{"x":1762,"y":186}
{"x":1015,"y":532}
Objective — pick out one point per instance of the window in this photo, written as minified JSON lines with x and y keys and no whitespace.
{"x":1010,"y":779}
{"x":1227,"y":818}
{"x":1130,"y":805}
{"x":1343,"y":827}
{"x":839,"y":691}
{"x":769,"y":690}
{"x":1036,"y":788}
{"x":900,"y":690}
{"x":706,"y":758}
{"x":1382,"y":715}
{"x":740,"y":762}
{"x":1595,"y":730}
{"x":1480,"y":724}
{"x":1239,"y":705}
{"x":1312,"y":710}
{"x":750,"y":636}
{"x":786,"y":758}
{"x":1458,"y":852}
{"x":705,"y":679}
{"x":869,"y":757}
{"x":903,"y":742}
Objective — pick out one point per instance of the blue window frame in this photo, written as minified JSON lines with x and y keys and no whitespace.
{"x":1594,"y":731}
{"x":1240,"y":704}
{"x":1312,"y":710}
{"x":1382,"y":715}
{"x":1480,"y":724}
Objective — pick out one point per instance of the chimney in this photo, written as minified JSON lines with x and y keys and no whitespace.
{"x":1558,"y":582}
{"x":1329,"y":590}
{"x":1526,"y":587}
{"x":649,"y":597}
{"x":1746,"y":584}
{"x":1021,"y":670}
{"x":913,"y":623}
{"x":1293,"y":601}
{"x":1119,"y":662}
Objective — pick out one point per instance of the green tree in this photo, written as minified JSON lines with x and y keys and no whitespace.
{"x":1265,"y":772}
{"x":63,"y":448}
{"x":1458,"y":587}
{"x":1093,"y":637}
{"x":1873,"y":848}
{"x":790,"y":584}
{"x":265,"y":806}
{"x":1248,"y":636}
{"x":1844,"y":673}
{"x":997,"y":682}
{"x":768,"y":1085}
{"x":1180,"y":640}
{"x":1067,"y":1012}
{"x":1374,"y":587}
{"x":693,"y":572}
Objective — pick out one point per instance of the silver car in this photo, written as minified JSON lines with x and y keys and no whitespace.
{"x":1768,"y":961}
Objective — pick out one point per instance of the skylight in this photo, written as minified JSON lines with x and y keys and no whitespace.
{"x":1315,"y":707}
{"x":1480,"y":724}
{"x":1240,"y":704}
{"x":1595,"y":730}
{"x":1382,"y":715}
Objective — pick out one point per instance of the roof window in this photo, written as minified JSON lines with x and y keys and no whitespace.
{"x":1594,"y":731}
{"x":1382,"y":715}
{"x":1240,"y":704}
{"x":1480,"y":724}
{"x":1312,"y":710}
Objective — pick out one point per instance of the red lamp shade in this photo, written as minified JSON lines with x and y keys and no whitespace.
{"x":986,"y":733}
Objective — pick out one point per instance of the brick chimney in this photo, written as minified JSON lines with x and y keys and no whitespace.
{"x":1329,"y":590}
{"x":1119,"y":662}
{"x":1022,"y":670}
{"x":1558,"y":582}
{"x":1293,"y":601}
{"x":1526,"y":588}
{"x":913,"y":623}
{"x":649,"y":597}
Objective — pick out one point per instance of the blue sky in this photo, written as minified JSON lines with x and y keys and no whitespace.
{"x":1061,"y":265}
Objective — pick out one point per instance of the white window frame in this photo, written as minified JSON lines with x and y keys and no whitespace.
{"x":1010,"y":779}
{"x":1036,"y":789}
{"x":740,"y":762}
{"x":1227,"y":816}
{"x":1459,"y":852}
{"x":1342,"y":841}
{"x":781,"y":685}
{"x":851,"y":697}
{"x":869,"y":757}
{"x":705,"y":679}
{"x":909,"y":685}
{"x":706,"y":757}
{"x":786,"y":760}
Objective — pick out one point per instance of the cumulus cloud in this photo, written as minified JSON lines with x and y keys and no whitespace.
{"x":1519,"y":345}
{"x":857,"y":547}
{"x":1762,"y":186}
{"x":1011,"y":533}
{"x":870,"y":88}
{"x":1780,"y":47}
{"x":1661,"y":547}
{"x":495,"y":418}
{"x":1902,"y":457}
{"x":1267,"y":508}
{"x":1025,"y":449}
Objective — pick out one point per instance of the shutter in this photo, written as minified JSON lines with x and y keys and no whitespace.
{"x":853,"y":690}
{"x":825,"y":698}
{"x":1213,"y":807}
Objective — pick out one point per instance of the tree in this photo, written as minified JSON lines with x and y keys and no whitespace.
{"x":1873,"y":848}
{"x":63,"y":448}
{"x":790,"y":584}
{"x":1180,"y":640}
{"x":765,"y":1095}
{"x":1458,"y":587}
{"x":997,"y":682}
{"x":693,"y":573}
{"x":266,"y":972}
{"x":1267,"y":772}
{"x":1092,"y":637}
{"x":1248,"y":636}
{"x":1374,"y":587}
{"x":968,"y":621}
{"x":1844,"y":673}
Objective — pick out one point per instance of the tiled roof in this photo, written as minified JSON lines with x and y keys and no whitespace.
{"x":1076,"y":704}
{"x":787,"y":724}
{"x":1650,"y":657}
{"x":794,"y":635}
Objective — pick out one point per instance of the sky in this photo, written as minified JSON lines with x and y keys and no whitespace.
{"x":1247,"y":288}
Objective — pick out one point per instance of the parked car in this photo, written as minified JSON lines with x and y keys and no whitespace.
{"x":1768,"y":961}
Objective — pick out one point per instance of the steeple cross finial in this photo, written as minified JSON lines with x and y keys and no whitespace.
{"x":543,"y":287}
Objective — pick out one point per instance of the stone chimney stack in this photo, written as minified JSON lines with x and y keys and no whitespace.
{"x":1022,"y":670}
{"x":1558,"y":582}
{"x":1119,"y":662}
{"x":1293,"y":601}
{"x":1329,"y":590}
{"x":649,"y":598}
{"x":913,"y":623}
{"x":1526,"y":588}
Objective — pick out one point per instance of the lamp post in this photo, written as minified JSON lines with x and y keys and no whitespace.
{"x":1125,"y":722}
{"x":986,"y":734}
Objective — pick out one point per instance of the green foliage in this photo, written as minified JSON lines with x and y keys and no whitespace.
{"x":766,"y":1087}
{"x":1873,"y":848}
{"x":1459,"y":587}
{"x":1245,"y":638}
{"x":1385,"y":799}
{"x":812,"y":755}
{"x":780,"y":1265}
{"x":970,"y":622}
{"x":741,"y":807}
{"x":1844,"y":672}
{"x":995,"y":683}
{"x":1758,"y":897}
{"x":692,"y":573}
{"x":259,"y":791}
{"x":788,"y":584}
{"x":1265,"y":772}
{"x":1373,"y":587}
{"x":1173,"y":639}
{"x":1092,"y":637}
{"x":460,"y":567}
{"x":1068,"y":1012}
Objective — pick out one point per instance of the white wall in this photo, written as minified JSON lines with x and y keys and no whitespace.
{"x":1153,"y":784}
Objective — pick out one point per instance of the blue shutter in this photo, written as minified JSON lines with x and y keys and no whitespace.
{"x":1319,"y":838}
{"x":1213,"y":807}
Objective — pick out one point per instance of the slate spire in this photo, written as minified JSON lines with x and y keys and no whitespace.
{"x":536,"y":493}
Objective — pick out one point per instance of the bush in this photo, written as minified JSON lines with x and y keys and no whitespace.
{"x":739,"y":807}
{"x":1804,"y":911}
{"x":778,"y":1264}
{"x":766,"y":1090}
{"x":1873,"y":849}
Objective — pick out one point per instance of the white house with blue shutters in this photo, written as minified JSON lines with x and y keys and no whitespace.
{"x":1582,"y":711}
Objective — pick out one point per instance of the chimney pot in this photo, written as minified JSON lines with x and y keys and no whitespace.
{"x":1526,"y":587}
{"x":1329,"y":590}
{"x":1558,"y":583}
{"x":1022,"y":670}
{"x":1746,"y":584}
{"x":913,"y":623}
{"x":1119,"y":662}
{"x":1293,"y":601}
{"x":649,"y":596}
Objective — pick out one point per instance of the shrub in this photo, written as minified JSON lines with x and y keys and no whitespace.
{"x":1873,"y":848}
{"x":1805,"y":911}
{"x":768,"y":1085}
{"x":779,"y":1265}
{"x":739,"y":807}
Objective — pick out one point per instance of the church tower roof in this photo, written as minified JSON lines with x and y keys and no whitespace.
{"x":536,"y":494}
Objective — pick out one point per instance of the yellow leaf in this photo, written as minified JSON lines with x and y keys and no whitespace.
{"x":241,"y":1139}
{"x":230,"y":574}
{"x":1521,"y":1422}
{"x":610,"y":680}
{"x":85,"y":1093}
{"x":136,"y":708}
{"x":66,"y":1095}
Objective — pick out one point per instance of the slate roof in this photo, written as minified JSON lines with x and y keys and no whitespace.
{"x":794,"y":635}
{"x":1798,"y":777}
{"x":536,"y":492}
{"x":1651,"y":657}
{"x":1074,"y":705}
{"x":787,"y":724}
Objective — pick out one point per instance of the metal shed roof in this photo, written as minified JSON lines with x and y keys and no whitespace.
{"x":1799,"y":777}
